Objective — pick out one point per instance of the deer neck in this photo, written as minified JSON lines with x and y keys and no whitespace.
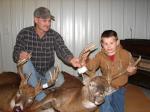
{"x":86,"y":98}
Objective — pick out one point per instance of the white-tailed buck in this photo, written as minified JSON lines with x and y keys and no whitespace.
{"x":16,"y":94}
{"x":73,"y":95}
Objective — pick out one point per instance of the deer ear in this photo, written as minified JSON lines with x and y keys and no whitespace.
{"x":86,"y":79}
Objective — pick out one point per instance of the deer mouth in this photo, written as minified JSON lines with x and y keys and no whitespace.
{"x":17,"y":109}
{"x":88,"y":104}
{"x":98,"y":100}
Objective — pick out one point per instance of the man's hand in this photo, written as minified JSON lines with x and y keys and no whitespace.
{"x":75,"y":62}
{"x":24,"y":55}
{"x":84,"y":58}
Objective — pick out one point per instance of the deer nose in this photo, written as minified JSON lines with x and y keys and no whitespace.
{"x":17,"y":109}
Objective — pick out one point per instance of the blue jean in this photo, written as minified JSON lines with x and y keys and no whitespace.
{"x":114,"y":102}
{"x":35,"y":77}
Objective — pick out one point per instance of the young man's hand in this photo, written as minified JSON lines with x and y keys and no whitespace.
{"x":131,"y":69}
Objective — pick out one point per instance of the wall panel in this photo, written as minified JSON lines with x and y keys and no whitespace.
{"x":148,"y":20}
{"x":1,"y":61}
{"x":105,"y":15}
{"x":80,"y":24}
{"x":93,"y":17}
{"x":55,"y":7}
{"x":141,"y":19}
{"x":117,"y":17}
{"x":129,"y":19}
{"x":28,"y":9}
{"x":7,"y":40}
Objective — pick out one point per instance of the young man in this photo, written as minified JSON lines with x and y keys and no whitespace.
{"x":41,"y":42}
{"x":112,"y":60}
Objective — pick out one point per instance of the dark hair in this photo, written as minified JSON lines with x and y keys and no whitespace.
{"x":109,"y":33}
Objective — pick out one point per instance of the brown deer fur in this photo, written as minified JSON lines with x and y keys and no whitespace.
{"x":70,"y":96}
{"x":9,"y":84}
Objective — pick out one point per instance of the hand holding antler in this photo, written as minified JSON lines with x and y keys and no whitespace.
{"x":131,"y":68}
{"x":83,"y":57}
{"x":23,"y":58}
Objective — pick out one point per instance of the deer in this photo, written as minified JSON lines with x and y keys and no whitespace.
{"x":76,"y":95}
{"x":16,"y":92}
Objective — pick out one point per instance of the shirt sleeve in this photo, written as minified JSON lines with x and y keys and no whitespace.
{"x":61,"y":49}
{"x":19,"y":46}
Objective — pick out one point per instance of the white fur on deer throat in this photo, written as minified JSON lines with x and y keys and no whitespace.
{"x":13,"y":104}
{"x":88,"y":104}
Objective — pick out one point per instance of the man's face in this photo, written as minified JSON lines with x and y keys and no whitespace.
{"x":110,"y":45}
{"x":43,"y":24}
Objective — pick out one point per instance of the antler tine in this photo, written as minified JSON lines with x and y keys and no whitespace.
{"x":89,"y":47}
{"x":54,"y":75}
{"x":19,"y":69}
{"x":56,"y":71}
{"x":23,"y":61}
{"x":38,"y":87}
{"x":137,"y":61}
{"x":87,"y":50}
{"x":20,"y":64}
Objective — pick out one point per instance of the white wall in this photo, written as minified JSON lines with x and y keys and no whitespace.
{"x":78,"y":21}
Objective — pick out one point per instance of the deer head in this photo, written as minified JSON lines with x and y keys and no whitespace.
{"x":26,"y":94}
{"x":94,"y":88}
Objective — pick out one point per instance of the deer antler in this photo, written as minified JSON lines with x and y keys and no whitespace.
{"x":123,"y":72}
{"x":54,"y":76}
{"x":85,"y":52}
{"x":24,"y":88}
{"x":23,"y":61}
{"x":83,"y":57}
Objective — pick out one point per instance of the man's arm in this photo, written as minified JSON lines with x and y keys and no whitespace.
{"x":64,"y":53}
{"x":19,"y":46}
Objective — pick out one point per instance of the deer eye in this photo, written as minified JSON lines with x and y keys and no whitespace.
{"x":92,"y":84}
{"x":30,"y":100}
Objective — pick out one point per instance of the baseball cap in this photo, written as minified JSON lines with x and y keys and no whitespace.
{"x":44,"y":13}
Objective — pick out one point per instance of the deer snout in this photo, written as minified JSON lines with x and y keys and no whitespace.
{"x":17,"y":109}
{"x":99,"y":98}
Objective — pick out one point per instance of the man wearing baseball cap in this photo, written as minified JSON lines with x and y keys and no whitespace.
{"x":40,"y":42}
